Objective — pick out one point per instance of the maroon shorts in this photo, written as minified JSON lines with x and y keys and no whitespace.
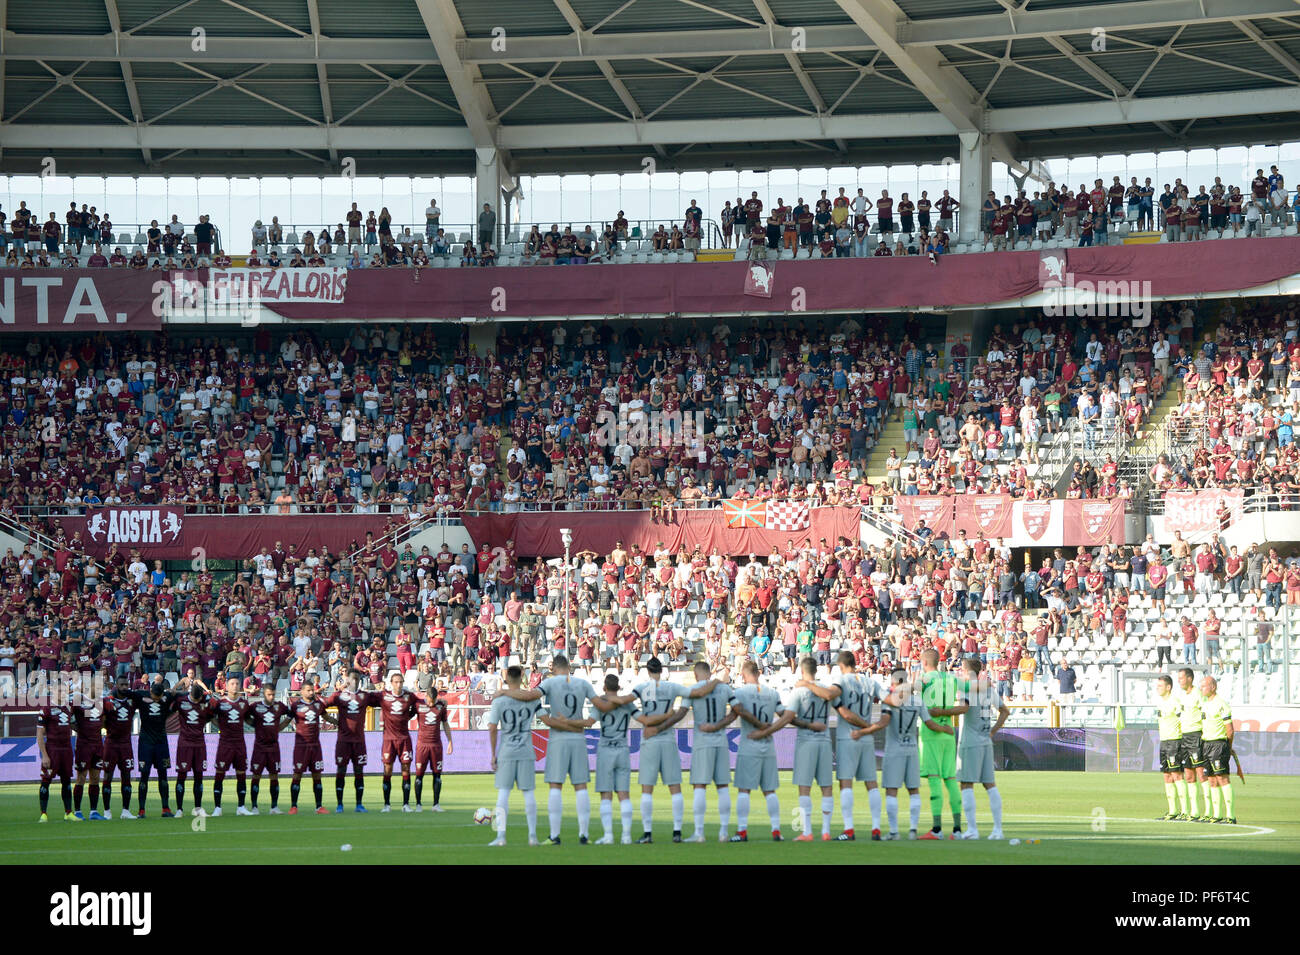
{"x":60,"y":763}
{"x":307,"y":757}
{"x":89,"y":755}
{"x":266,"y":757}
{"x":232,"y":754}
{"x":428,"y":755}
{"x":118,"y":756}
{"x":397,"y":749}
{"x":349,"y":751}
{"x":191,"y":756}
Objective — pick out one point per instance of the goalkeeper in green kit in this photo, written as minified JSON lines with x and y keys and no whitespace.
{"x":940,"y":693}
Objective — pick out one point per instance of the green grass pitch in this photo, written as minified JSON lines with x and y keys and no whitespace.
{"x":1080,"y":818}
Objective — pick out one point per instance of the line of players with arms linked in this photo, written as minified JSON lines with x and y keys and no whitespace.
{"x":918,"y":721}
{"x":103,"y":730}
{"x":1195,"y":728}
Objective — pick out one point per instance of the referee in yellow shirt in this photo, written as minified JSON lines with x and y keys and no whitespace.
{"x":1169,"y":713}
{"x":1189,"y":752}
{"x":1216,"y":747}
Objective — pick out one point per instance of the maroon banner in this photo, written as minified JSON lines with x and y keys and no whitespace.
{"x":1092,"y":522}
{"x":987,"y":514}
{"x":537,"y":533}
{"x":102,"y":298}
{"x":1197,"y":512}
{"x":78,"y":300}
{"x":166,"y":533}
{"x":936,"y":510}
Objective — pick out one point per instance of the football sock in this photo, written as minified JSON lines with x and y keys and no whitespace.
{"x":388,"y":789}
{"x":625,"y":812}
{"x":180,"y":795}
{"x":44,"y":793}
{"x":254,"y":789}
{"x":891,"y":810}
{"x":914,"y":810}
{"x":583,"y":799}
{"x":419,"y":791}
{"x":873,"y":800}
{"x":1171,"y":797}
{"x":607,"y":817}
{"x":1228,"y":801}
{"x":995,"y":808}
{"x":65,"y":790}
{"x":241,"y":788}
{"x":954,"y":801}
{"x":700,"y":805}
{"x":774,"y":811}
{"x":679,"y":811}
{"x":805,"y":815}
{"x":77,"y":791}
{"x":742,"y":811}
{"x":1180,"y":788}
{"x":968,"y":807}
{"x":1215,"y":803}
{"x":1205,"y":796}
{"x":1192,"y":801}
{"x":828,"y":806}
{"x":218,"y":784}
{"x":359,"y":787}
{"x":530,"y":812}
{"x":555,"y":811}
{"x":318,"y":790}
{"x":275,"y":793}
{"x":294,"y":787}
{"x":406,"y":790}
{"x":503,"y":810}
{"x":846,"y":808}
{"x":198,"y":792}
{"x":724,"y":809}
{"x":437,"y":788}
{"x":936,"y":801}
{"x":340,"y":780}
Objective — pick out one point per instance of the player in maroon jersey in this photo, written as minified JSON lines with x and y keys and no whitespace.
{"x":306,"y":714}
{"x":88,"y":716}
{"x":54,"y":742}
{"x":191,"y":744}
{"x":398,"y":707}
{"x":119,"y":713}
{"x":265,"y":716}
{"x":232,"y":752}
{"x":431,"y":722}
{"x":350,"y":747}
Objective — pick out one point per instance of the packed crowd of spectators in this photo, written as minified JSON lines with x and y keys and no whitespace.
{"x":1239,"y":407}
{"x":391,"y":419}
{"x":839,"y":226}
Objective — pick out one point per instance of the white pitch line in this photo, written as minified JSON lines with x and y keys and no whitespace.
{"x":1174,"y":834}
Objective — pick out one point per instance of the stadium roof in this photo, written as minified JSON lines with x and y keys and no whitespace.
{"x":276,"y":87}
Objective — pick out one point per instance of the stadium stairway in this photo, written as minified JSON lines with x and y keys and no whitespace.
{"x":891,"y":436}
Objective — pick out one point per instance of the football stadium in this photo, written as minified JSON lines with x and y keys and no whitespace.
{"x":582,"y":430}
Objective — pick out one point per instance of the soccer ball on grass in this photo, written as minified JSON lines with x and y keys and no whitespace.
{"x":482,"y":815}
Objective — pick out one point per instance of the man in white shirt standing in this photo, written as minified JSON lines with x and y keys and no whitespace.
{"x":432,"y":216}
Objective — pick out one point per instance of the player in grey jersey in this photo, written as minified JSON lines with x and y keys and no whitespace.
{"x":855,"y":759}
{"x":614,"y":762}
{"x":812,"y":748}
{"x":513,"y":762}
{"x":901,"y":719}
{"x":979,"y":702}
{"x":566,"y":744}
{"x":659,"y":756}
{"x":710,"y":758}
{"x":756,"y":754}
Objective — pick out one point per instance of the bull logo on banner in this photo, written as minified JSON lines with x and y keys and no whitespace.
{"x":1097,"y":518}
{"x":1036,"y":516}
{"x":131,"y":525}
{"x":760,"y":279}
{"x":989,"y":511}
